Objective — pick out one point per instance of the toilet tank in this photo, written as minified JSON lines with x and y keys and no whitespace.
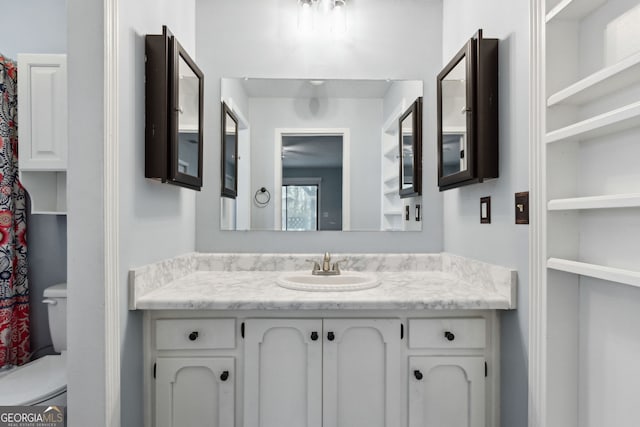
{"x":56,"y":299}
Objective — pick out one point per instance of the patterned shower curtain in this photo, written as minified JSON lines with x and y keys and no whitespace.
{"x":14,"y":289}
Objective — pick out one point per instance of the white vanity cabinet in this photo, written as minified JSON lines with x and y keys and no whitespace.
{"x":195,"y":391}
{"x":283,"y":372}
{"x":322,"y":372}
{"x":446,"y":372}
{"x":194,"y":372}
{"x":321,"y":368}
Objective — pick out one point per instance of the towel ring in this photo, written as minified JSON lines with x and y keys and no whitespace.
{"x":262,"y":197}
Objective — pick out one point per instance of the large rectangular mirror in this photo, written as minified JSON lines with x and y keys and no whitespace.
{"x":317,"y":155}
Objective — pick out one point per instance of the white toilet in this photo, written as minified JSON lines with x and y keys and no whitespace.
{"x":43,"y":381}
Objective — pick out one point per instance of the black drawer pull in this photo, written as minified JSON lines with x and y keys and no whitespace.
{"x":193,"y":336}
{"x":448,"y":335}
{"x":417,"y":374}
{"x":331,"y":336}
{"x":314,"y":336}
{"x":224,"y":376}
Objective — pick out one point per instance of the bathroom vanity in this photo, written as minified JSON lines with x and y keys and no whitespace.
{"x":224,"y":345}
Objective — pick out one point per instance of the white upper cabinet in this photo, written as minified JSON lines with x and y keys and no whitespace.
{"x":42,"y":126}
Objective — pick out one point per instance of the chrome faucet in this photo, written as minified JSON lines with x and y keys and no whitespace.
{"x":327,"y":269}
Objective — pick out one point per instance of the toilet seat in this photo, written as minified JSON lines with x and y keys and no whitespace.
{"x":34,"y":382}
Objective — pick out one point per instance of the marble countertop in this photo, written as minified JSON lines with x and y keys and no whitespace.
{"x":408,"y":282}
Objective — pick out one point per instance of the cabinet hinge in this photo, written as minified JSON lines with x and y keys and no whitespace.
{"x":401,"y":330}
{"x":154,"y":370}
{"x":486,"y":370}
{"x":242,"y":329}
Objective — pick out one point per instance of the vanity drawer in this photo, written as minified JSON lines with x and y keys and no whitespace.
{"x":447,"y":333}
{"x":179,"y":334}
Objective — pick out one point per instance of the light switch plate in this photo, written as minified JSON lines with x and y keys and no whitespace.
{"x":485,"y":210}
{"x":522,"y":207}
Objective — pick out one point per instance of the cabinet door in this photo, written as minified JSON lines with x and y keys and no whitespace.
{"x":361,"y":372}
{"x":283,"y":373}
{"x":446,"y":391}
{"x":42,"y":90}
{"x":195,"y":392}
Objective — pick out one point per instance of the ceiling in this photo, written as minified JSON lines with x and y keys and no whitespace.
{"x":309,"y":151}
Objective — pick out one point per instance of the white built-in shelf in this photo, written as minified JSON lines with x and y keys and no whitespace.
{"x":392,"y":152}
{"x":631,"y":200}
{"x":610,"y":122}
{"x":391,"y":179}
{"x":393,"y":213}
{"x":391,"y":192}
{"x":628,"y":277}
{"x":573,"y":9}
{"x":601,"y":83}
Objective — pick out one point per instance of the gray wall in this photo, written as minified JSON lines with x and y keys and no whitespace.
{"x":157,"y":221}
{"x":398,"y":41}
{"x":33,"y":26}
{"x":501,"y":242}
{"x":39,"y":26}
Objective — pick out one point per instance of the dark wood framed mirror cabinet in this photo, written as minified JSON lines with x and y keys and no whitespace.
{"x":174,"y":90}
{"x":410,"y":145}
{"x":229,"y":155}
{"x":467,"y":117}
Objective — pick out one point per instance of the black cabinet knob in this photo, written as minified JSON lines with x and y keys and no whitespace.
{"x":314,"y":336}
{"x":330,"y":336}
{"x":193,"y":335}
{"x":224,"y":376}
{"x":417,"y":374}
{"x":448,"y":335}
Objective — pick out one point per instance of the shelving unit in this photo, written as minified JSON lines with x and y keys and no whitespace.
{"x":586,"y":198}
{"x":619,"y":275}
{"x":602,"y":83}
{"x":573,"y":9}
{"x":391,"y":203}
{"x":596,"y":202}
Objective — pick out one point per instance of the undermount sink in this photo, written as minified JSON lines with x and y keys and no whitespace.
{"x":346,"y":281}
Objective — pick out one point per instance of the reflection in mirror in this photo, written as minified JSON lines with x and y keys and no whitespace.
{"x":407,"y":151}
{"x":326,"y":150}
{"x":188,"y":112}
{"x":454,"y":120}
{"x":312,"y":182}
{"x":229,"y":152}
{"x":410,"y":142}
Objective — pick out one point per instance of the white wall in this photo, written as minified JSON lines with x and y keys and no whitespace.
{"x":259,"y":38}
{"x":501,"y":242}
{"x":85,"y":264}
{"x":363,"y":118}
{"x":157,"y":220}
